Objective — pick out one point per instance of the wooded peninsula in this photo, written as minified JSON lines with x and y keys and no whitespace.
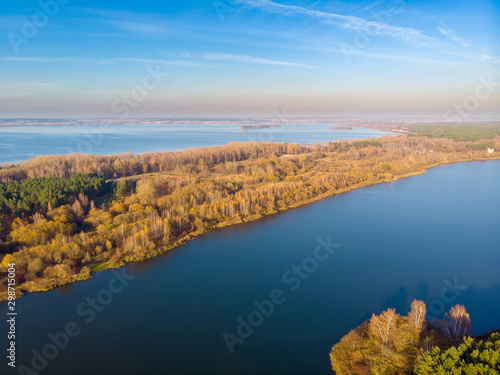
{"x":63,"y":218}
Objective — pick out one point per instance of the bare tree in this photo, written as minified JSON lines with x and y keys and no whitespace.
{"x":427,"y":344}
{"x":78,"y":209}
{"x":84,"y":200}
{"x":417,"y":314}
{"x":383,"y":324}
{"x":146,"y":191}
{"x":456,"y":324}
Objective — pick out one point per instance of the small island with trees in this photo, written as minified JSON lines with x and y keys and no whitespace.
{"x":341,"y":127}
{"x":262,"y":126}
{"x":391,"y":344}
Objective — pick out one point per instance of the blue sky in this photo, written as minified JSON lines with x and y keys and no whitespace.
{"x":249,"y":58}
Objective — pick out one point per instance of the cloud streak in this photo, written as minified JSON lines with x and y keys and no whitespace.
{"x":188,"y":63}
{"x":54,"y":59}
{"x":103,"y":60}
{"x":253,"y":60}
{"x":160,"y":61}
{"x":404,"y":34}
{"x":452,"y":36}
{"x":142,"y":27}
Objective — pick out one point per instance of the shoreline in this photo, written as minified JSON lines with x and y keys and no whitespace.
{"x":181,"y":241}
{"x":6,"y":164}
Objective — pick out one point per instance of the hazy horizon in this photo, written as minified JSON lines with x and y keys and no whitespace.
{"x":288,"y":118}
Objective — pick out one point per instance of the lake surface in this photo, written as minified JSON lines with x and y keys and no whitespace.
{"x":397,"y":241}
{"x":21,"y":143}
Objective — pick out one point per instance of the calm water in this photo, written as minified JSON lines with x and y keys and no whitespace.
{"x":397,"y":241}
{"x":21,"y":143}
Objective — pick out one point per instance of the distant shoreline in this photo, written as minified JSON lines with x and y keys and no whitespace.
{"x":380,"y":124}
{"x":164,"y":121}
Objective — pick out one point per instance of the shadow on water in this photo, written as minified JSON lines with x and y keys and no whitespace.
{"x":65,"y":289}
{"x":483,"y":306}
{"x":422,"y":293}
{"x":140,"y":267}
{"x":397,"y":300}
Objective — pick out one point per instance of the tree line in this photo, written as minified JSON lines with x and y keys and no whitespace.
{"x":65,"y":217}
{"x":194,"y":160}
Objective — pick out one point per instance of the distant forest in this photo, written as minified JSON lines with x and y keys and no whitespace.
{"x":65,"y":217}
{"x":459,"y":133}
{"x":465,"y":132}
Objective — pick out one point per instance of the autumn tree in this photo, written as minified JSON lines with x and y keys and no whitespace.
{"x":35,"y":266}
{"x":146,"y":192}
{"x":7,"y":259}
{"x":456,"y":324}
{"x":382,"y":325}
{"x":78,"y":209}
{"x":417,"y":314}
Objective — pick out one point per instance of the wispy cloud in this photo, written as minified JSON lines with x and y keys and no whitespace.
{"x":142,"y":27}
{"x":392,"y":56}
{"x":252,"y":60}
{"x":160,"y":61}
{"x":54,"y":59}
{"x":188,"y":61}
{"x":447,"y":32}
{"x":141,"y":24}
{"x":490,"y":59}
{"x":368,"y":7}
{"x":103,"y":60}
{"x":403,"y":34}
